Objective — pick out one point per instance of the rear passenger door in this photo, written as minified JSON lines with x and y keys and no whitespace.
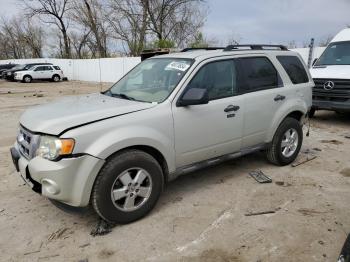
{"x":48,"y":72}
{"x":263,"y":93}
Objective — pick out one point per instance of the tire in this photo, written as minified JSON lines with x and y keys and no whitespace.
{"x":312,"y":112}
{"x":276,"y":152}
{"x":27,"y":79}
{"x":113,"y":177}
{"x":56,"y":78}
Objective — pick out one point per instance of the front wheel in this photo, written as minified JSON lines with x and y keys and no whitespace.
{"x":27,"y":79}
{"x":127,"y":187}
{"x":286,"y":142}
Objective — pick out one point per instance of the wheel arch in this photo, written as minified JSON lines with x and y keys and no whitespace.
{"x":155,"y":153}
{"x":297,"y":114}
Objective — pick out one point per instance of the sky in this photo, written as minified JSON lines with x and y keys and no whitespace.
{"x":263,"y":21}
{"x":276,"y":21}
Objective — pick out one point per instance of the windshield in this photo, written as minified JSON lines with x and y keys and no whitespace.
{"x":153,"y":80}
{"x":337,"y":53}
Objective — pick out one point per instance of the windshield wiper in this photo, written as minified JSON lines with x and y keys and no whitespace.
{"x":123,"y":96}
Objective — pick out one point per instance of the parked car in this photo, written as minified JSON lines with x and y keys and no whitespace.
{"x":10,"y":74}
{"x":331,"y":74}
{"x":5,"y":67}
{"x":40,"y":72}
{"x":170,"y":115}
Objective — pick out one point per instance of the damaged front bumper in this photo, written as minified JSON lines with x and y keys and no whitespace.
{"x":68,"y":180}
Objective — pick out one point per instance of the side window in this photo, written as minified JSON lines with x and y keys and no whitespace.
{"x":48,"y":68}
{"x":219,"y":78}
{"x":259,"y":74}
{"x":40,"y":68}
{"x":57,"y":67}
{"x":294,"y":69}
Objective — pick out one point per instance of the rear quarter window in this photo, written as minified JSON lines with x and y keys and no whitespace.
{"x":57,"y":67}
{"x":294,"y":69}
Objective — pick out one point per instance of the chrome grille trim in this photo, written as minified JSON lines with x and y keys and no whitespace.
{"x":27,"y":143}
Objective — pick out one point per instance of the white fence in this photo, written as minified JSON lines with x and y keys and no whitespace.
{"x":94,"y":70}
{"x":112,"y":69}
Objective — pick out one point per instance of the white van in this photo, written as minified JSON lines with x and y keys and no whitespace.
{"x":331,"y":74}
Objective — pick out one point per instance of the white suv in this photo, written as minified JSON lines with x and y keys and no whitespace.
{"x":40,"y":72}
{"x":170,"y":115}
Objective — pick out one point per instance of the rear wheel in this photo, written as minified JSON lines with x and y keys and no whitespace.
{"x":127,"y":187}
{"x":286,"y":142}
{"x":56,"y":78}
{"x":27,"y":79}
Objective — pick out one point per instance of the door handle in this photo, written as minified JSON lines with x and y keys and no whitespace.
{"x":231,"y":108}
{"x":279,"y":97}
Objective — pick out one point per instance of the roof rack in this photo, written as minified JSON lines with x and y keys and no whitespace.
{"x":201,"y":48}
{"x":255,"y":47}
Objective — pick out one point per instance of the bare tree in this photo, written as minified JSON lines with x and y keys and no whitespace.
{"x":128,"y":20}
{"x":175,"y":20}
{"x":52,"y":12}
{"x":20,"y":39}
{"x":325,"y":40}
{"x":79,"y":43}
{"x":90,"y":14}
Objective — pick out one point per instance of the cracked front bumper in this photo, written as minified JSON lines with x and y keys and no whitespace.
{"x":69,"y":180}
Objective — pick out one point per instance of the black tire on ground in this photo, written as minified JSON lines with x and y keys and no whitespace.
{"x":312,"y":112}
{"x":56,"y":78}
{"x":27,"y":79}
{"x":101,"y":196}
{"x":274,"y":151}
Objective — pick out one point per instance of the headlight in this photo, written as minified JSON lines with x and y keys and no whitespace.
{"x":51,"y":147}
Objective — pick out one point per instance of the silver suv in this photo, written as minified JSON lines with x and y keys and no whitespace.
{"x":172,"y":114}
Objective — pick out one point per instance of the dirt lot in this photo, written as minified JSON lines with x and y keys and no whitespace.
{"x":201,"y":216}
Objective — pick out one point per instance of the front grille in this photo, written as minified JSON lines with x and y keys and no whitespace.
{"x":27,"y":143}
{"x":339,"y":93}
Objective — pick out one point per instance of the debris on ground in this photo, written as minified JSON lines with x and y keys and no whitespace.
{"x":31,"y":252}
{"x":317,"y":149}
{"x":102,"y":228}
{"x":39,"y":95}
{"x":2,"y":210}
{"x":282,"y":183}
{"x":345,"y":252}
{"x":303,"y":160}
{"x":58,"y":234}
{"x":260,"y":177}
{"x":332,"y":141}
{"x":260,"y":213}
{"x":310,"y":212}
{"x":345,"y":172}
{"x":84,"y":245}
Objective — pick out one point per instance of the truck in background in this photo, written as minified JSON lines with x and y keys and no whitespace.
{"x":331,"y":74}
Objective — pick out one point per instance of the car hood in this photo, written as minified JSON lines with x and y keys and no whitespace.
{"x":14,"y":70}
{"x":56,"y":117}
{"x":331,"y":72}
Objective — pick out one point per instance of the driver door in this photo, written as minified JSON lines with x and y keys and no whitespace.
{"x":210,"y":130}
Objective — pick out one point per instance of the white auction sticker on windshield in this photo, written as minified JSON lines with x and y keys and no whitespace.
{"x":182,"y":66}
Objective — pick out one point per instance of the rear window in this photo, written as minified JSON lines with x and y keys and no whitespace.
{"x":57,"y":67}
{"x":294,"y":69}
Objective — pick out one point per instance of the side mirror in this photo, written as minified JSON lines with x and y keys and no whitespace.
{"x":193,"y":96}
{"x":314,"y":62}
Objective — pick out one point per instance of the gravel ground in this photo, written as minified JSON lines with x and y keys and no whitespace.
{"x":201,"y":216}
